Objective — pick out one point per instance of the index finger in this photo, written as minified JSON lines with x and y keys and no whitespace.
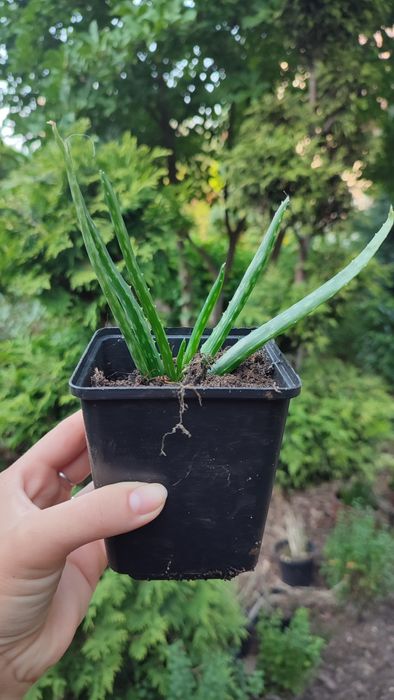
{"x":60,"y":446}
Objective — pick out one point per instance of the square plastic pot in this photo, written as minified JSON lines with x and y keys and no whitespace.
{"x":296,"y":572}
{"x":219,"y":479}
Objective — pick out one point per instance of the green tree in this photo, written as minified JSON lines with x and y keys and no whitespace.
{"x":189,"y":71}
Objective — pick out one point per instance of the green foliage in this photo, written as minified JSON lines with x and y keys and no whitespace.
{"x":365,"y":331}
{"x":235,"y":102}
{"x":35,"y":366}
{"x":136,"y":276}
{"x":287,"y":318}
{"x":203,"y":318}
{"x":121,"y":299}
{"x":277,"y":290}
{"x":289,"y":655}
{"x":337,"y":426}
{"x":358,"y":325}
{"x":41,"y":249}
{"x":360,"y":556}
{"x":121,"y":649}
{"x":218,"y":676}
{"x":365,"y":323}
{"x":250,"y":88}
{"x":181,"y":681}
{"x":49,"y":299}
{"x":242,"y":293}
{"x":133,"y":307}
{"x":278,"y":97}
{"x":358,"y":492}
{"x":277,"y":152}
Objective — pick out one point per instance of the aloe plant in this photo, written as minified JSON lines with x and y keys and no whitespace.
{"x":135,"y":313}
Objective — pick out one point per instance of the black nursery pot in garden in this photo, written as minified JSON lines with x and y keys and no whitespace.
{"x":219,"y":479}
{"x":296,"y":572}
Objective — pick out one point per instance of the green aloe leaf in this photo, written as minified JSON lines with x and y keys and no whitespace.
{"x":203,"y":317}
{"x":124,"y":306}
{"x":179,"y":358}
{"x":257,"y":338}
{"x":248,"y":282}
{"x":140,"y":287}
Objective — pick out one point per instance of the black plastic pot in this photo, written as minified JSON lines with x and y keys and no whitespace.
{"x":219,"y":479}
{"x":296,"y":572}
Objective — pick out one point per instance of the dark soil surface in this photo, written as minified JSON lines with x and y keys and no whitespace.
{"x":256,"y":371}
{"x":358,"y":661}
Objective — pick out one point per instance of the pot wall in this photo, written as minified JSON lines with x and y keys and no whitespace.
{"x":219,"y":479}
{"x":297,"y":572}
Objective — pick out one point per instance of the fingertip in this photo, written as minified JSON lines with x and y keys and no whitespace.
{"x":147,"y":498}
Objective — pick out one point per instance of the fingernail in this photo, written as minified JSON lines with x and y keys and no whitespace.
{"x":147,"y":498}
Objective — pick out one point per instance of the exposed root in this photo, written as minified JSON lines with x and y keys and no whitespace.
{"x":193,"y":388}
{"x":179,"y":426}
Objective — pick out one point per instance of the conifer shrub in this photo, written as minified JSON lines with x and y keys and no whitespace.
{"x":219,"y":677}
{"x":360,"y":557}
{"x":288,"y":655}
{"x":123,"y":648}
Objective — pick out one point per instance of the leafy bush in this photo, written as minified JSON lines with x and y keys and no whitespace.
{"x":337,"y":426}
{"x":33,"y":385}
{"x":41,"y":249}
{"x":360,"y":554}
{"x":121,"y":649}
{"x":289,"y":655}
{"x":49,"y":299}
{"x":366,"y":322}
{"x":34,"y":371}
{"x":365,"y":331}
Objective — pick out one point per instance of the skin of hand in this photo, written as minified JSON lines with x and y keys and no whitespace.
{"x":51,"y":549}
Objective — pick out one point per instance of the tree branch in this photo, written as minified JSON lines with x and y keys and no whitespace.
{"x":208,"y":259}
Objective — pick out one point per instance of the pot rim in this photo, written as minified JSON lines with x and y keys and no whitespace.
{"x":290,"y":383}
{"x":293,"y":562}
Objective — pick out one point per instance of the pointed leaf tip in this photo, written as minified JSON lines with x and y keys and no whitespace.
{"x":287,"y":318}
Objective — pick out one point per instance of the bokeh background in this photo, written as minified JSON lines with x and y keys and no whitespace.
{"x":203,"y":114}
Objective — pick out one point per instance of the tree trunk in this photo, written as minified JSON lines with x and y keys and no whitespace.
{"x":312,"y":87}
{"x":185,"y":283}
{"x":303,"y":250}
{"x":278,"y":245}
{"x":233,"y":234}
{"x":218,"y":310}
{"x":169,"y":141}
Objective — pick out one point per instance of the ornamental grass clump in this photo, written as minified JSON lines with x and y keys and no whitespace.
{"x":134,"y":311}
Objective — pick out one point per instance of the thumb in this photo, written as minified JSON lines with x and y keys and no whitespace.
{"x":49,"y":535}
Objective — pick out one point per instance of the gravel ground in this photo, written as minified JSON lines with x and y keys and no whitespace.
{"x":358,"y":663}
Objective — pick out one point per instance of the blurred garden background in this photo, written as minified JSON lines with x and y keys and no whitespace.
{"x":203,"y":114}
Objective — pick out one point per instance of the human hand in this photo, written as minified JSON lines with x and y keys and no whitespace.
{"x":51,"y":549}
